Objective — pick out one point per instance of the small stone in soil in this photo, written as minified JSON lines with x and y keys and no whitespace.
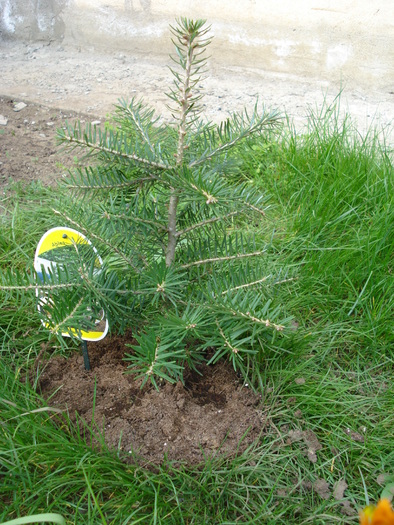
{"x":19,"y":106}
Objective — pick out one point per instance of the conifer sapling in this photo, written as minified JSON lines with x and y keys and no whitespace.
{"x":161,"y":205}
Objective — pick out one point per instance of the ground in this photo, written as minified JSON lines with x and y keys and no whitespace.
{"x":28,"y":150}
{"x":212,"y":413}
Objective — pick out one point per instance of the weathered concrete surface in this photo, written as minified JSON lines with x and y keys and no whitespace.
{"x":349,"y":42}
{"x":33,"y":20}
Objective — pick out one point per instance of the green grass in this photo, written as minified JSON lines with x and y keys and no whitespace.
{"x":25,"y":214}
{"x":334,"y":193}
{"x":332,"y":211}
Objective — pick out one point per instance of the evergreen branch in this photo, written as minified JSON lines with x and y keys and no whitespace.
{"x":151,"y":368}
{"x":184,"y":100}
{"x":211,"y":186}
{"x":220,"y":259}
{"x":211,"y":199}
{"x":38,"y":287}
{"x":92,"y":235}
{"x":135,"y":117}
{"x":186,"y":34}
{"x":156,"y":356}
{"x":111,"y":186}
{"x":55,"y":328}
{"x":245,"y":315}
{"x":190,"y":42}
{"x":247,"y":285}
{"x":226,"y":341}
{"x":104,"y":296}
{"x":286,"y":280}
{"x":248,"y":205}
{"x":116,"y":152}
{"x":266,"y":322}
{"x":125,"y":217}
{"x":204,"y":223}
{"x":231,"y":132}
{"x":204,"y":186}
{"x":220,"y":245}
{"x":171,"y":229}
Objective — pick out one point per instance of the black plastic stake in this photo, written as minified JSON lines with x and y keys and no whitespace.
{"x":85,"y":354}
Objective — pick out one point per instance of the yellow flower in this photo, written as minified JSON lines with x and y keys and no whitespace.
{"x":382,"y":514}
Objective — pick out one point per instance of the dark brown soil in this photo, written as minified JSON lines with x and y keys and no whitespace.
{"x":213,"y":413}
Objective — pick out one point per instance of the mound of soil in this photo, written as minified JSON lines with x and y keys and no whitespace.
{"x":212,"y":413}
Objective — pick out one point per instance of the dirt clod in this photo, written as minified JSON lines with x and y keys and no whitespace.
{"x":322,"y":488}
{"x":310,"y":440}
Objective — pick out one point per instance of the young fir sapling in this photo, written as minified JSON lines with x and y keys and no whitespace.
{"x":161,"y":206}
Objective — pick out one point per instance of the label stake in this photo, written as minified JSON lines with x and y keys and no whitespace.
{"x":85,"y":354}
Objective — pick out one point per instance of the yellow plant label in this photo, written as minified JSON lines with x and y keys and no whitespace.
{"x":68,"y":249}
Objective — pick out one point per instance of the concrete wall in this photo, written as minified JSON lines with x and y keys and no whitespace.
{"x":349,"y":41}
{"x":33,"y":20}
